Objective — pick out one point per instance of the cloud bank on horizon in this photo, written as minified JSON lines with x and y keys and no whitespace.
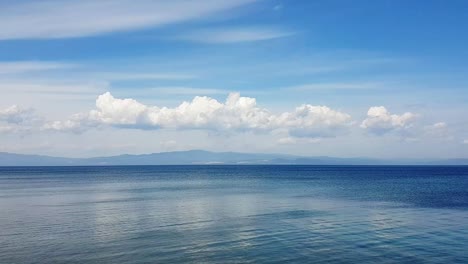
{"x":88,"y":78}
{"x":235,"y":114}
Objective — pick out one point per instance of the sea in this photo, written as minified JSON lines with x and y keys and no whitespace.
{"x":234,"y":214}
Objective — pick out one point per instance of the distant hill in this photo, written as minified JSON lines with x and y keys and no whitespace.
{"x":192,"y":157}
{"x":10,"y":159}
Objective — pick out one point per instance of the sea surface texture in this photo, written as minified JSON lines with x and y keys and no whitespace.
{"x":234,"y":214}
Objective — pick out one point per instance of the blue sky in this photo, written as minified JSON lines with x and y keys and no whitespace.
{"x":341,"y":78}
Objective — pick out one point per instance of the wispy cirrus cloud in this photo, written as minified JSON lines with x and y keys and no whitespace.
{"x":120,"y":76}
{"x":16,"y":67}
{"x":234,"y":35}
{"x":52,"y":87}
{"x":79,"y":18}
{"x":335,"y":86}
{"x":181,"y":90}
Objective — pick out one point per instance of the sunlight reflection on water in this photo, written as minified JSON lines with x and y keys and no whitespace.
{"x":220,"y":214}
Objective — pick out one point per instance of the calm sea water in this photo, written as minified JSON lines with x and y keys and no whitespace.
{"x":234,"y":214}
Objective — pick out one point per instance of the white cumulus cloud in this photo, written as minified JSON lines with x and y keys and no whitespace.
{"x":236,"y":113}
{"x":438,"y":130}
{"x":17,"y":119}
{"x":77,"y":123}
{"x":16,"y":115}
{"x":380,"y":121}
{"x":314,"y":121}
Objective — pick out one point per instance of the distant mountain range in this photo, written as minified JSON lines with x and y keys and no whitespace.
{"x":201,"y":157}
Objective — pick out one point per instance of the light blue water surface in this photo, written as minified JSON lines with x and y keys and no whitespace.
{"x":234,"y":214}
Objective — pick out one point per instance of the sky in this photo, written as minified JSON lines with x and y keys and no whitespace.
{"x":363,"y":78}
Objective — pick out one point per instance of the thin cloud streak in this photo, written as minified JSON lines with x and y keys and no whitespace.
{"x":178,"y":90}
{"x":115,"y":76}
{"x":52,"y":87}
{"x":335,"y":86}
{"x":234,"y":35}
{"x":17,"y":67}
{"x":67,"y":19}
